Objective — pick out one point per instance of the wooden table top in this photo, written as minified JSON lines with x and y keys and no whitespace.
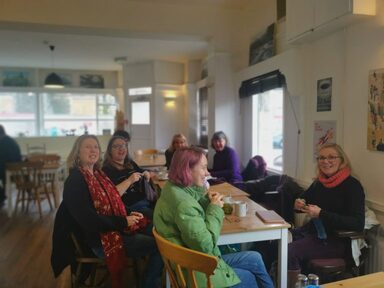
{"x":374,"y":280}
{"x":149,"y":160}
{"x":227,"y":189}
{"x":251,"y":222}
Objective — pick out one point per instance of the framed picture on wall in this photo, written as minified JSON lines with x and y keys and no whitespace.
{"x":17,"y":78}
{"x":375,"y":129}
{"x":91,"y":81}
{"x":324,"y":95}
{"x":262,"y":47}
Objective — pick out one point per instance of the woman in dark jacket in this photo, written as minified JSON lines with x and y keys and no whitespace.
{"x":334,"y":201}
{"x":126,"y":174}
{"x":92,"y":208}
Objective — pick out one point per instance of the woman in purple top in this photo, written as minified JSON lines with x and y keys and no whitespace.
{"x":226,"y":163}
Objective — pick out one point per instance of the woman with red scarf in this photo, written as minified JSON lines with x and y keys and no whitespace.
{"x":93,"y":210}
{"x":334,"y":201}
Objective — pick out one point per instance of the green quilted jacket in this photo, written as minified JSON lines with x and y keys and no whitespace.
{"x":184,"y":215}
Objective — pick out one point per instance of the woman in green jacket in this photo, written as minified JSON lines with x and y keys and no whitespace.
{"x":186,"y":215}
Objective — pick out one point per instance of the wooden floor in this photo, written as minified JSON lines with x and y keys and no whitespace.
{"x":25,"y":251}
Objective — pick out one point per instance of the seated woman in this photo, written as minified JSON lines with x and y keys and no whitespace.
{"x":92,"y":209}
{"x":186,"y":215}
{"x":334,"y":201}
{"x":178,"y":141}
{"x":226,"y":163}
{"x":124,"y":173}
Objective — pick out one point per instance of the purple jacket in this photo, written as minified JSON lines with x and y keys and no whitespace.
{"x":226,"y":165}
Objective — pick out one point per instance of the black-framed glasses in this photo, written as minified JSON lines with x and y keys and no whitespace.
{"x":329,"y":158}
{"x":119,"y":146}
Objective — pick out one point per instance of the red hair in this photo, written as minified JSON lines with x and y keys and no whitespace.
{"x":183,"y":161}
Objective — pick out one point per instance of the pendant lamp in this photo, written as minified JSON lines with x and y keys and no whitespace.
{"x":53,"y":80}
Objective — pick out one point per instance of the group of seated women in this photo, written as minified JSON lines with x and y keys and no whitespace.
{"x":99,"y":206}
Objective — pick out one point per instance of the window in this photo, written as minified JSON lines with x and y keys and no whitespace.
{"x":268,"y":127}
{"x":56,"y":114}
{"x":140,"y":113}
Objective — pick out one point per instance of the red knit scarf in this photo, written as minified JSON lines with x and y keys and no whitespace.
{"x":336,"y":179}
{"x":107,"y":201}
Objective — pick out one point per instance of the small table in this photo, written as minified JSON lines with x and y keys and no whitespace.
{"x":149,"y":160}
{"x":374,"y":280}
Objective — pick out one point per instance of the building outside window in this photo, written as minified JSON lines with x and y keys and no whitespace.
{"x":267,"y":136}
{"x":56,"y":114}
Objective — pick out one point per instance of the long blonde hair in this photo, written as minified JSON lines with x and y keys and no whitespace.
{"x":73,"y":160}
{"x":340,"y":152}
{"x":174,"y":138}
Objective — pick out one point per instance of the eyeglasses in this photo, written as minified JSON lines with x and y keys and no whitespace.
{"x":329,"y":158}
{"x":119,"y":146}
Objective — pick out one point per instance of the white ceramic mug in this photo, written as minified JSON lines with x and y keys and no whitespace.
{"x":240,"y":208}
{"x":227,"y":199}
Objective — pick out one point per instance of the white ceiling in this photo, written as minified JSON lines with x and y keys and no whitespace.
{"x":97,"y":52}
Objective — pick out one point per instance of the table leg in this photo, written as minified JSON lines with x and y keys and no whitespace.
{"x":283,"y":258}
{"x":8,"y":193}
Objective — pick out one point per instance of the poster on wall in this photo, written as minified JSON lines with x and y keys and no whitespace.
{"x":324,"y":132}
{"x":91,"y":81}
{"x":14,"y":78}
{"x":324,"y":95}
{"x":375,"y":133}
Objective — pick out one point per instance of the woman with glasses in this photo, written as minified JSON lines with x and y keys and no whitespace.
{"x":124,"y":173}
{"x":334,"y":201}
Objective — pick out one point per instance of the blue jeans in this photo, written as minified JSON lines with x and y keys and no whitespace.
{"x":250,"y":268}
{"x":138,"y":245}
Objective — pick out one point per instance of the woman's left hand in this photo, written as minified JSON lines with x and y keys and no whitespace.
{"x":138,"y":214}
{"x":313,"y":211}
{"x":147,"y":175}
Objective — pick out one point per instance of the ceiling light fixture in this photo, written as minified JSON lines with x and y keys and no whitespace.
{"x":53,"y":80}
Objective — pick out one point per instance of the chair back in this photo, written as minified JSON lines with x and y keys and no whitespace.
{"x":46,"y":158}
{"x":36,"y":149}
{"x":26,"y":175}
{"x":146,"y":151}
{"x":179,"y":260}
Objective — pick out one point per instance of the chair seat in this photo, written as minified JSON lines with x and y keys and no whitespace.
{"x":327,"y":266}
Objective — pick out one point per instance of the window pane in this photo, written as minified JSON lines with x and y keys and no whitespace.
{"x":140,"y":113}
{"x":268,"y":127}
{"x":18,"y":113}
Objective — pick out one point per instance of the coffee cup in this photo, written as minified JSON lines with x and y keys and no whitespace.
{"x":227,"y":199}
{"x":240,"y":208}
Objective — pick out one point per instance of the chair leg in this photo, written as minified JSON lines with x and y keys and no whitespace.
{"x":47,"y":196}
{"x":37,"y":198}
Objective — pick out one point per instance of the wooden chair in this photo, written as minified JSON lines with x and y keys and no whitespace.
{"x":91,"y":271}
{"x":178,"y":259}
{"x":49,"y":179}
{"x":27,"y":177}
{"x":36,"y":149}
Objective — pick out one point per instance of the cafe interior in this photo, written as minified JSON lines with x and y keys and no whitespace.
{"x":279,"y":78}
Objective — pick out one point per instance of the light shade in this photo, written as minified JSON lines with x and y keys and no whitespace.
{"x":53,"y":81}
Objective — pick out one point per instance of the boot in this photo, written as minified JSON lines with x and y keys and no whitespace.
{"x":292,"y":277}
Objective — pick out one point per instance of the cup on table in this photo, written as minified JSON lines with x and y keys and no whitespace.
{"x":240,"y":208}
{"x":227,"y":199}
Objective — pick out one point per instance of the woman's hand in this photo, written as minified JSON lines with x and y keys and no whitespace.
{"x":216,"y":198}
{"x":299,"y":204}
{"x":134,"y":218}
{"x":147,"y":175}
{"x":133,"y":178}
{"x":312,"y":211}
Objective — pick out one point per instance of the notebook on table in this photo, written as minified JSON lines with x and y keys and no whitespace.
{"x":270,"y":217}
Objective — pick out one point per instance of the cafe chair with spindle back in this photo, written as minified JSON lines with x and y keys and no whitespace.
{"x":49,"y":179}
{"x":178,"y":259}
{"x":146,"y":151}
{"x":27,"y":177}
{"x":91,"y":271}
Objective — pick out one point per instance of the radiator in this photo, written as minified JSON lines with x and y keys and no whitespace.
{"x":375,"y":261}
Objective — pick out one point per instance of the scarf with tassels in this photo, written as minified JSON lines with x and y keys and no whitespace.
{"x":335,"y":180}
{"x":107,"y":201}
